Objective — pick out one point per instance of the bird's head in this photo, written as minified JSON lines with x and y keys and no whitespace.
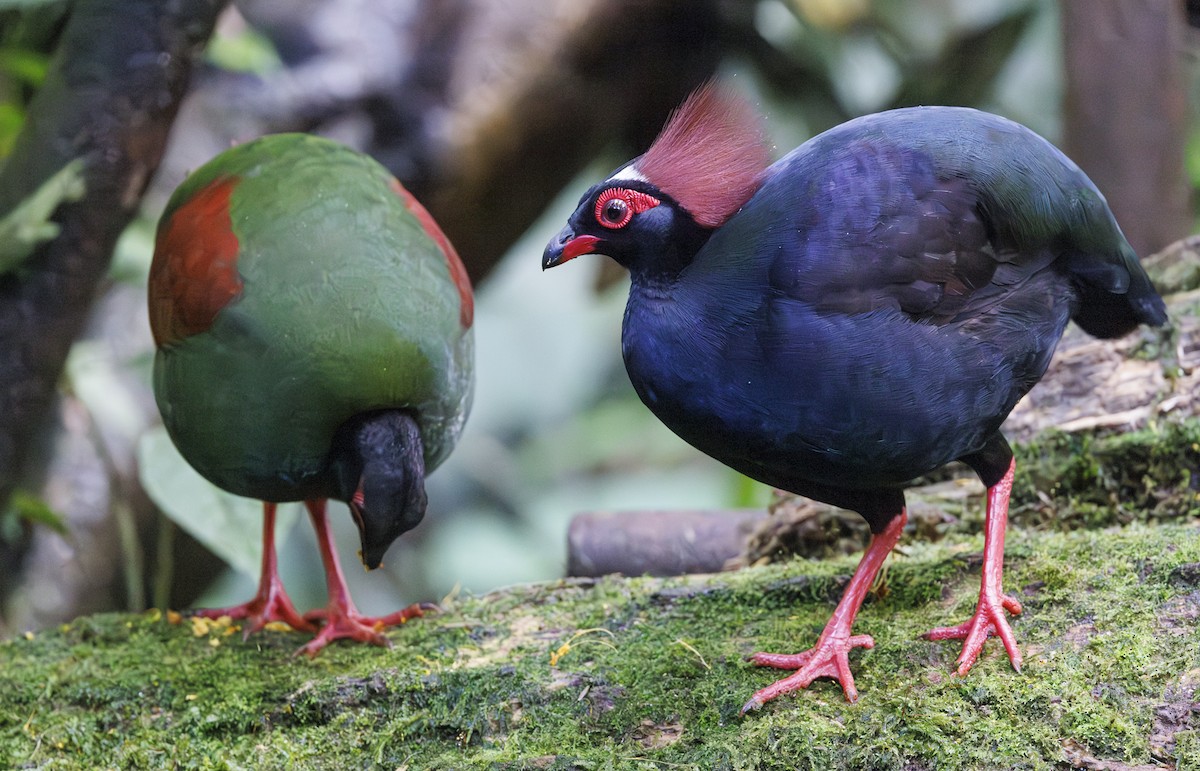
{"x":656,"y":211}
{"x":379,"y":470}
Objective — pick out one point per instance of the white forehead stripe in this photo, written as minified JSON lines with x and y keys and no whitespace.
{"x":630,"y":172}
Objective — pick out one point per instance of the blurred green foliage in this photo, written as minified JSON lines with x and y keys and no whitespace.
{"x":25,"y":507}
{"x":28,"y":29}
{"x":245,"y":50}
{"x":29,"y":224}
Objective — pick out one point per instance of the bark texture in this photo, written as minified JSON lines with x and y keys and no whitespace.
{"x":113,"y":89}
{"x":1125,"y":116}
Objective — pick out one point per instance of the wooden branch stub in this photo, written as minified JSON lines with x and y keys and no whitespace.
{"x":660,"y":543}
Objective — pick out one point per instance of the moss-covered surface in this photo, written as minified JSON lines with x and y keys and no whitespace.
{"x":1110,"y":634}
{"x":1063,"y":482}
{"x":1068,"y":481}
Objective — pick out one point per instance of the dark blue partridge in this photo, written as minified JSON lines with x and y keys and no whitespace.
{"x":857,"y":314}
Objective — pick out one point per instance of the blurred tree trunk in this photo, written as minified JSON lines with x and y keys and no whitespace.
{"x":1126,"y":111}
{"x":114,"y":86}
{"x":485,"y":110}
{"x":601,"y":73}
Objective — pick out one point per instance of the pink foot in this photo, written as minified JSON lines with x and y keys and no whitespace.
{"x":828,"y":658}
{"x":342,"y":621}
{"x":989,"y":619}
{"x":346,"y":623}
{"x":271,"y":603}
{"x":274,"y":605}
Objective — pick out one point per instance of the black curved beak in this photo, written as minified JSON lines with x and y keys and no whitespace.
{"x":567,"y":246}
{"x":373,"y":544}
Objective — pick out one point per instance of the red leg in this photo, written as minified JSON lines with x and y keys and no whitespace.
{"x":342,"y":619}
{"x":271,"y":603}
{"x":989,"y":616}
{"x":828,"y":658}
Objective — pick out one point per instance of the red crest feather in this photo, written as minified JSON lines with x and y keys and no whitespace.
{"x":710,"y":156}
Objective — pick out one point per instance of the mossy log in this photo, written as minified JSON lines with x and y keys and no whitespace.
{"x":648,"y":673}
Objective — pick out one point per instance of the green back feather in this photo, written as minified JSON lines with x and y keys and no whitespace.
{"x":347,"y":306}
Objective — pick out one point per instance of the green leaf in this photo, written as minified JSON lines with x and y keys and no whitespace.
{"x":30,"y":508}
{"x":12,"y":118}
{"x":247,"y":51}
{"x":29,"y":67}
{"x":28,"y":225}
{"x":228,"y":525}
{"x":107,"y":387}
{"x":134,"y":252}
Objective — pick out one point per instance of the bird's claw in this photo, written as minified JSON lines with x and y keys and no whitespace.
{"x":345,"y":626}
{"x":989,"y":619}
{"x":828,"y":658}
{"x":347,"y":623}
{"x":260,"y":611}
{"x":416,"y":610}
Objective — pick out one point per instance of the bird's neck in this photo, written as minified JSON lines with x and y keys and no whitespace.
{"x":660,"y":343}
{"x":660,"y":260}
{"x":651,"y":289}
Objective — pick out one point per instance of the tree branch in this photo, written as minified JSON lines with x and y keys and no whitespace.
{"x":114,"y":86}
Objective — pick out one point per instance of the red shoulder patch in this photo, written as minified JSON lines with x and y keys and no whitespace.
{"x":194,"y":273}
{"x":458,"y":273}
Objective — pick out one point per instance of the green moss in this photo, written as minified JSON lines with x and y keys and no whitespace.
{"x":1063,"y":482}
{"x":1187,"y":749}
{"x":1108,"y":630}
{"x":1081,"y":480}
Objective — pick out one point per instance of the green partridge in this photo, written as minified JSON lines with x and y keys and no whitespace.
{"x":314,"y":340}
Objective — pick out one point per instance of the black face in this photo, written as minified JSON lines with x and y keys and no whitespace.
{"x":632,"y":222}
{"x":379,"y":470}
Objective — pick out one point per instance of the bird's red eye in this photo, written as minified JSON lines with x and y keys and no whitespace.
{"x":616,"y":206}
{"x":615,"y":213}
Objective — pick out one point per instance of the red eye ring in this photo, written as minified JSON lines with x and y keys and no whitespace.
{"x":612,"y":210}
{"x":616,"y":206}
